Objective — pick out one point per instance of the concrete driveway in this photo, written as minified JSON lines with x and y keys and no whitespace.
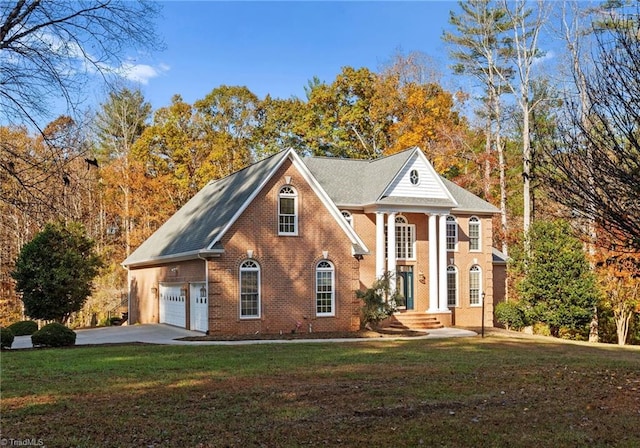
{"x":166,"y":334}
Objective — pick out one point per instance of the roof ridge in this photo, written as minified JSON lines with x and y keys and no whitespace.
{"x":354,"y":159}
{"x":256,"y":162}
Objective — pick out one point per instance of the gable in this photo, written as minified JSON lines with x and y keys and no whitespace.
{"x":418,"y":179}
{"x":200,"y":224}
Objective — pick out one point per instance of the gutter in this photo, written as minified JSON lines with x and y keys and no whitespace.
{"x":184,"y":256}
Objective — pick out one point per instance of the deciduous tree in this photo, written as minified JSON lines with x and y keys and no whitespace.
{"x":619,"y":276}
{"x":594,"y":167}
{"x":478,"y":48}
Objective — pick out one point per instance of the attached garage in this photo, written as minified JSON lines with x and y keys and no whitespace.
{"x":173,"y":305}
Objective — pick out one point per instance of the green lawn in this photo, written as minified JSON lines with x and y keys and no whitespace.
{"x":468,"y":392}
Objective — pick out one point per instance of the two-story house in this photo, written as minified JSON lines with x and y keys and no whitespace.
{"x":284,"y":244}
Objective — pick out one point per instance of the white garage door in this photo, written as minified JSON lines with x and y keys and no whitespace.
{"x":173,"y":307}
{"x":199,"y":307}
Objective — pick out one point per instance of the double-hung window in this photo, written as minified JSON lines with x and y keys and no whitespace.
{"x":405,"y":239}
{"x":249,"y":289}
{"x":325,"y":289}
{"x":452,"y":234}
{"x":287,"y":211}
{"x":474,"y":234}
{"x":452,"y":286}
{"x":475,"y":285}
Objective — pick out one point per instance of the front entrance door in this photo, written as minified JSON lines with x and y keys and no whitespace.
{"x":404,"y":284}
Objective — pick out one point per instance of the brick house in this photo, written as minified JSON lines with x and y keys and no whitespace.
{"x":284,"y":244}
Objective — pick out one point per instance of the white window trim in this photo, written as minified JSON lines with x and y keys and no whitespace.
{"x":294,"y":195}
{"x":412,"y":229}
{"x":454,"y":220}
{"x":473,"y":269}
{"x":331,"y":269}
{"x":417,"y":177}
{"x":475,"y":219}
{"x":348,"y":216}
{"x":252,"y":269}
{"x":453,"y":269}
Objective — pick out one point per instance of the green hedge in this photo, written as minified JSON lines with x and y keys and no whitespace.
{"x":23,"y":328}
{"x":6,"y":338}
{"x":53,"y":335}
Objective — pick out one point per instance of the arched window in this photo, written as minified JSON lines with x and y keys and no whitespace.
{"x":287,"y":211}
{"x":414,"y":177}
{"x":474,"y":233}
{"x":249,"y":289}
{"x":452,"y":285}
{"x":325,"y":289}
{"x":405,"y":239}
{"x":475,"y":285}
{"x":452,"y":233}
{"x":347,"y":215}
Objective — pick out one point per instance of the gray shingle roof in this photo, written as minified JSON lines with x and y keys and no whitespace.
{"x":467,"y":201}
{"x":202,"y":219}
{"x":358,"y":183}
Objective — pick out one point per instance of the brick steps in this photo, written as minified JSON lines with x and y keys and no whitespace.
{"x":412,"y":320}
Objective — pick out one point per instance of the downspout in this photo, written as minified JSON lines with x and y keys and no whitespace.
{"x":128,"y":296}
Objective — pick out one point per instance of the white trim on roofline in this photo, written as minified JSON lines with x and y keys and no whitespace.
{"x":249,"y":200}
{"x":184,"y":256}
{"x":317,"y":188}
{"x":328,"y":203}
{"x":432,"y":170}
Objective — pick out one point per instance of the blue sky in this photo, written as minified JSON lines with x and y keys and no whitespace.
{"x":276,"y":47}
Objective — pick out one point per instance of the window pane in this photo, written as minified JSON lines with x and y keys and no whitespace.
{"x":452,"y":234}
{"x":324,"y":288}
{"x":249,"y":282}
{"x":249,"y":293}
{"x":474,"y":286}
{"x":452,"y":287}
{"x":474,"y":234}
{"x":287,"y":206}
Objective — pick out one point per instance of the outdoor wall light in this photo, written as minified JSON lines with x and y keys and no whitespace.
{"x":421,"y":277}
{"x":154,"y":292}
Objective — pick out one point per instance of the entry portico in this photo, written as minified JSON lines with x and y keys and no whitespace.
{"x":386,"y":254}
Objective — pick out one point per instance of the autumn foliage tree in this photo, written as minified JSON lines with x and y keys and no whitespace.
{"x":619,"y":278}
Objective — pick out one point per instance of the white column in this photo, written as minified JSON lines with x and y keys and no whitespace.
{"x":391,"y":251}
{"x":433,"y":266}
{"x":442,"y":264}
{"x":380,"y":270}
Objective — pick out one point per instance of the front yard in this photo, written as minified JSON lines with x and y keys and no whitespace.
{"x":469,"y":392}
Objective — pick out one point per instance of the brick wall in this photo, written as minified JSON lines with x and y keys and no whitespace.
{"x":287,"y":266}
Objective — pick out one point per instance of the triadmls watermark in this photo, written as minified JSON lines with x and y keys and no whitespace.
{"x":9,"y":441}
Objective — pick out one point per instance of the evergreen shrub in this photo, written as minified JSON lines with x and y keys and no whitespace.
{"x":53,"y":335}
{"x":510,"y":315}
{"x":23,"y":328}
{"x":6,"y":338}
